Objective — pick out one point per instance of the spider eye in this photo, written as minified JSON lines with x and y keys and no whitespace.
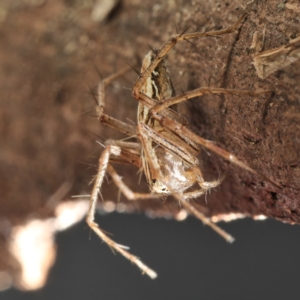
{"x":154,"y":180}
{"x":163,"y":189}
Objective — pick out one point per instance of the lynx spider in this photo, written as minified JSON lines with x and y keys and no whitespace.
{"x":165,"y":148}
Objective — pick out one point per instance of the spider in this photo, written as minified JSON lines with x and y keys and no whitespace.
{"x":164,"y":148}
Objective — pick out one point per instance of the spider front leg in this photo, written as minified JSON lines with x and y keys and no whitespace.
{"x":103,"y":167}
{"x":136,"y":91}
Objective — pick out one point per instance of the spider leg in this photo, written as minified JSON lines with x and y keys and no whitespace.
{"x":129,"y":194}
{"x":205,"y":185}
{"x":152,"y":160}
{"x":106,"y":119}
{"x":130,"y":153}
{"x":103,"y":167}
{"x":182,"y":130}
{"x":193,"y":194}
{"x":200,"y":92}
{"x":136,"y":91}
{"x":130,"y":156}
{"x":192,"y":210}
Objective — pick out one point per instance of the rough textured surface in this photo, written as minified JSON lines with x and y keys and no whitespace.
{"x":49,"y":51}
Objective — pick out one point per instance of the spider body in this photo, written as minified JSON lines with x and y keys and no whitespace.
{"x":163,"y":146}
{"x":174,"y":170}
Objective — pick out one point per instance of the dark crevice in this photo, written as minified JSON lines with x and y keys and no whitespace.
{"x":273,"y":196}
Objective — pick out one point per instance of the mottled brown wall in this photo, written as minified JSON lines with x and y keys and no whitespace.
{"x":49,"y":55}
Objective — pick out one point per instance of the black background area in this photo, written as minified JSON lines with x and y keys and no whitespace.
{"x":192,"y":261}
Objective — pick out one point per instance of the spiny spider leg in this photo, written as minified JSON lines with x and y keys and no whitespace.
{"x":183,"y":130}
{"x":136,"y":91}
{"x":200,"y":92}
{"x":192,"y":210}
{"x":104,"y":83}
{"x":121,"y":126}
{"x":130,"y":153}
{"x":106,"y":119}
{"x":103,"y":166}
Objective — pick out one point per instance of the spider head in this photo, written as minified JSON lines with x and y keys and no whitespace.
{"x":158,"y":187}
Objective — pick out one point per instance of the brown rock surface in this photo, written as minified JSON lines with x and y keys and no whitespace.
{"x":48,"y":57}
